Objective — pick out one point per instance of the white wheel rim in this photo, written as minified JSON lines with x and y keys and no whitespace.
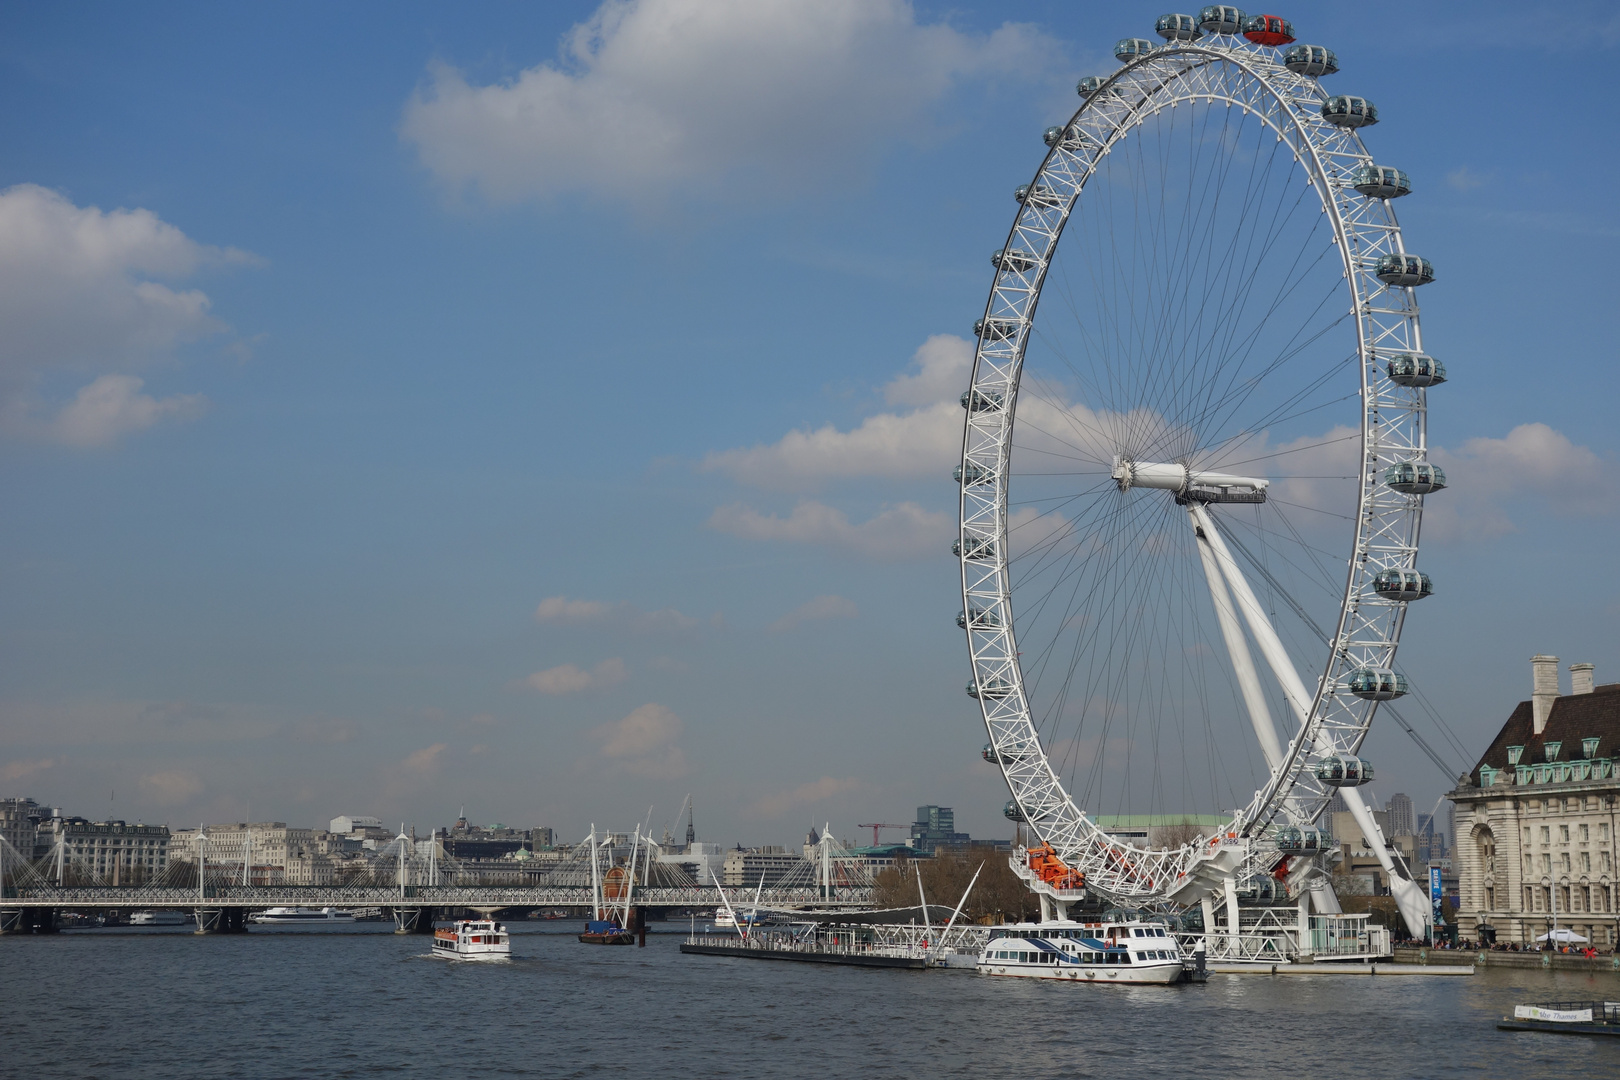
{"x":1392,"y":429}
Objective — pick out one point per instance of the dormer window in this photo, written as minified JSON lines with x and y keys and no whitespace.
{"x":1589,"y":748}
{"x":1552,"y":749}
{"x":1514,"y":754}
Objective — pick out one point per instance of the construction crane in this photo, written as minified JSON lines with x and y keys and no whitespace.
{"x":876,"y":825}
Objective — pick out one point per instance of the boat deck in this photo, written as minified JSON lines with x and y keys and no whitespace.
{"x":807,"y":956}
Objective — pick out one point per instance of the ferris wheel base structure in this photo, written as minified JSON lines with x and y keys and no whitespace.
{"x":1241,"y":277}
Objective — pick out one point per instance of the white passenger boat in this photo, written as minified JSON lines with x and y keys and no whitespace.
{"x":472,"y":939}
{"x":1105,"y":952}
{"x":294,"y":915}
{"x":159,"y":918}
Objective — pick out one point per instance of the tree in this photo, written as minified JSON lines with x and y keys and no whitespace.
{"x":998,"y":895}
{"x":1180,"y":834}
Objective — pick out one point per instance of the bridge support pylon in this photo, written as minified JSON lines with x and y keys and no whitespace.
{"x":222,"y":920}
{"x":413,"y":920}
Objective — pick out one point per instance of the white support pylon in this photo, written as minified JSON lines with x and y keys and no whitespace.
{"x":1409,"y":896}
{"x":1265,"y":635}
{"x":1242,"y":662}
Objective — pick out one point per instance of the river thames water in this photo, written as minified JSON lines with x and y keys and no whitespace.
{"x":360,"y":1002}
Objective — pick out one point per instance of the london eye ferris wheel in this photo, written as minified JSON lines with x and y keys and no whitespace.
{"x":1192,"y":480}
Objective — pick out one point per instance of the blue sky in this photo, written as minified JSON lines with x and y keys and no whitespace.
{"x":396,"y":401}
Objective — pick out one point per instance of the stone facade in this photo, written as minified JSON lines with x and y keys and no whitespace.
{"x":102,"y":852}
{"x":280,"y":855}
{"x":1536,"y":818}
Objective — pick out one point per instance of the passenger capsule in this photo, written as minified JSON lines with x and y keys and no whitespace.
{"x":1039,"y":195}
{"x":971,"y":473}
{"x":1375,"y":684}
{"x":1415,"y":369}
{"x":977,"y":401}
{"x":1221,"y":19}
{"x":977,"y":617}
{"x":1010,"y":755}
{"x":1307,"y":841}
{"x":1312,"y":60}
{"x":1128,"y":49}
{"x":995,"y":688}
{"x":1343,"y":770}
{"x":1070,"y":138}
{"x":977,"y":548}
{"x":1403,"y":585}
{"x":995,"y":329}
{"x":1351,"y":112}
{"x":1013,"y":812}
{"x":1268,"y":30}
{"x":1415,"y":477}
{"x":1178,"y":28}
{"x":1380,"y":182}
{"x":1091,"y":84}
{"x":1019,"y":262}
{"x":1404,"y":270}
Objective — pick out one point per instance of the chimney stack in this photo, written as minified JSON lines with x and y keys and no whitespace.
{"x":1580,"y":678}
{"x":1544,"y":691}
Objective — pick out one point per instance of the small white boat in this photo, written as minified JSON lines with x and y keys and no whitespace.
{"x":1110,"y":952}
{"x":159,"y":918}
{"x":472,"y":939}
{"x":295,"y":915}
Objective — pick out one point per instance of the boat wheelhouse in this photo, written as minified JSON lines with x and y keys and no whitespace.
{"x":1101,"y":952}
{"x":472,"y":939}
{"x":292,"y":916}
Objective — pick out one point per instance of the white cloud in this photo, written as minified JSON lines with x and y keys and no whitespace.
{"x":1533,"y":462}
{"x":1465,"y":179}
{"x":171,"y":787}
{"x":17,"y":771}
{"x":805,"y":795}
{"x":425,"y":762}
{"x":644,"y":742}
{"x":82,"y":289}
{"x":900,"y":532}
{"x":942,"y":366}
{"x":650,"y":95}
{"x":920,"y":442}
{"x":113,"y":406}
{"x":560,"y":609}
{"x":822,"y":607}
{"x":76,"y":283}
{"x":572,"y":679}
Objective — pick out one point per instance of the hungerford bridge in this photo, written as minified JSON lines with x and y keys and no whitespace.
{"x":414,"y":881}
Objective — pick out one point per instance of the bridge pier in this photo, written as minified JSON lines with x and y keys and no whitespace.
{"x":413,"y":920}
{"x":221,"y":920}
{"x":28,"y":920}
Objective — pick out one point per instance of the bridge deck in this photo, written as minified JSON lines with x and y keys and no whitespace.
{"x":445,"y":896}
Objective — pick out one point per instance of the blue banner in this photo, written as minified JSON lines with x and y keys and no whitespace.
{"x":1435,"y":894}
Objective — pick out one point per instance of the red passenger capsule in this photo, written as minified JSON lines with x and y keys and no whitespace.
{"x":1268,"y":30}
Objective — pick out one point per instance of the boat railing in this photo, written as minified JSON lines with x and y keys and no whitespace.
{"x":1603,"y":1012}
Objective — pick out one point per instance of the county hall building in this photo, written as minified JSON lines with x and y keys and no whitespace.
{"x":1536,"y":818}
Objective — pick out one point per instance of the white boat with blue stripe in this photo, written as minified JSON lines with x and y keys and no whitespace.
{"x":1106,"y":952}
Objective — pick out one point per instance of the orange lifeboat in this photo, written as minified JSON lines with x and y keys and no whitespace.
{"x":1054,"y":871}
